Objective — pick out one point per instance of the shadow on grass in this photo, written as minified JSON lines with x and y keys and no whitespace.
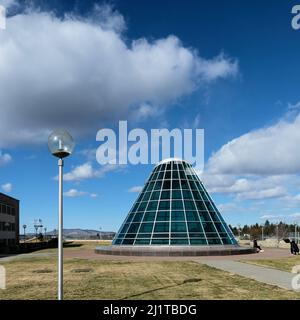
{"x":162,"y":288}
{"x":71,"y":244}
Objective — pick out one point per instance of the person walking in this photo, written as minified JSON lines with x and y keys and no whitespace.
{"x":256,"y":246}
{"x":294,"y":248}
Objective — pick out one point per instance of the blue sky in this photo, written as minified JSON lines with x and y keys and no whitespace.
{"x":85,"y":65}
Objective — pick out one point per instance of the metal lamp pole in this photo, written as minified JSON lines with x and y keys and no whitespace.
{"x":24,"y":227}
{"x":60,"y":228}
{"x":61,"y":145}
{"x":262,"y":233}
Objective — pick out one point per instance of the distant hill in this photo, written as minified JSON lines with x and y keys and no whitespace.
{"x":82,"y":234}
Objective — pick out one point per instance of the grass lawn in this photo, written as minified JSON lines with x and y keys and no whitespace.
{"x":35,"y":278}
{"x":285,"y":264}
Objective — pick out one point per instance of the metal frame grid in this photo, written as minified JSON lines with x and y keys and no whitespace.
{"x":174,"y":209}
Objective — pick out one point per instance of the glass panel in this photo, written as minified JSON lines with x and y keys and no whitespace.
{"x":175,"y":184}
{"x":138,"y":217}
{"x":144,"y":235}
{"x":200,"y":205}
{"x":177,"y":216}
{"x":176,"y":194}
{"x":212,"y":235}
{"x":150,"y":186}
{"x":196,"y":195}
{"x":182,"y":175}
{"x":128,"y":241}
{"x":133,"y":228}
{"x":214,"y":216}
{"x":197,"y":235}
{"x":167,"y":184}
{"x":149,"y":216}
{"x":155,"y":195}
{"x":146,"y":227}
{"x":204,"y":197}
{"x":125,"y":228}
{"x":226,"y":241}
{"x":189,"y":205}
{"x":208,"y":227}
{"x":161,"y":227}
{"x":160,"y":235}
{"x":214,"y":241}
{"x":204,"y":216}
{"x":142,"y":241}
{"x":177,"y":205}
{"x":184,"y":184}
{"x":164,"y":205}
{"x":161,"y":175}
{"x":158,"y":185}
{"x":192,"y":216}
{"x":178,"y":227}
{"x":160,"y":241}
{"x":179,"y":235}
{"x":165,"y":195}
{"x":175,"y":174}
{"x":179,"y":241}
{"x":146,"y":196}
{"x":130,"y":217}
{"x":152,"y":205}
{"x":142,"y":206}
{"x":220,"y":228}
{"x":163,"y":216}
{"x":187,"y":194}
{"x":193,"y":185}
{"x":168,"y":175}
{"x":198,"y":241}
{"x":194,"y":227}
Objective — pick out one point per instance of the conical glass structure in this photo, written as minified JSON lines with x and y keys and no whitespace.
{"x":174,"y":209}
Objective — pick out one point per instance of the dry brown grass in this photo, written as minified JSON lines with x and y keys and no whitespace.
{"x":285,"y":264}
{"x":90,"y":279}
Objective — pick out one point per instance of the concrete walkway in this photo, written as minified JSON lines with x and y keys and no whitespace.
{"x":270,"y":276}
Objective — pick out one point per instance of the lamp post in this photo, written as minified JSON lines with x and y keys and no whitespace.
{"x":61,"y":145}
{"x":262,"y":233}
{"x":45,"y":229}
{"x":277,"y":234}
{"x":24,"y":227}
{"x":100,"y":233}
{"x":36,"y":227}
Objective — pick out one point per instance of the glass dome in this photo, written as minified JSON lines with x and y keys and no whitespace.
{"x":61,"y":143}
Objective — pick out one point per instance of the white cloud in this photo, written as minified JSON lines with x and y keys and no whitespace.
{"x":262,"y":164}
{"x":271,"y":150}
{"x":4,"y":158}
{"x":72,"y":193}
{"x":272,"y":216}
{"x":94,"y":195}
{"x":7,"y":187}
{"x":270,"y":193}
{"x":277,"y":217}
{"x":136,"y":189}
{"x":83,"y":69}
{"x":86,"y":171}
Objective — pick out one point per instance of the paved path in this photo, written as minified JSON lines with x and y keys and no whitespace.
{"x":270,"y":276}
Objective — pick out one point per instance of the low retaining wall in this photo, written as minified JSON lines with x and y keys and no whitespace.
{"x":174,"y":251}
